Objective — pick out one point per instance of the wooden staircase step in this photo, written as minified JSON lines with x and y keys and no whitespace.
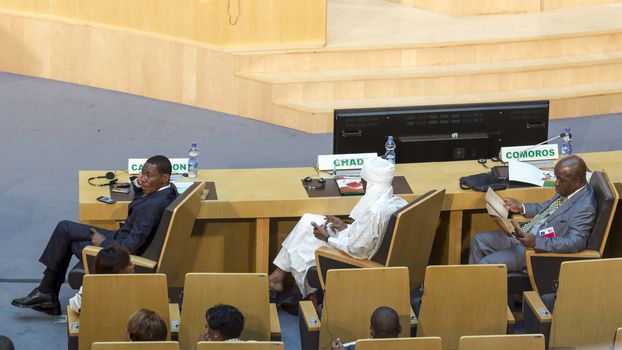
{"x":411,"y":72}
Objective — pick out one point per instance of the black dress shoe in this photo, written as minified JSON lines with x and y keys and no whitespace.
{"x":37,"y":299}
{"x":54,"y":311}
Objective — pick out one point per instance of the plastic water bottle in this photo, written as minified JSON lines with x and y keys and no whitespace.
{"x":389,"y":154}
{"x":193,"y":161}
{"x":567,"y":143}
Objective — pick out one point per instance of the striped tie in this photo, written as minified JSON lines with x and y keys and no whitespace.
{"x":546,"y":212}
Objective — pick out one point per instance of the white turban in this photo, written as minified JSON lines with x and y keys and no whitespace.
{"x":379,"y":176}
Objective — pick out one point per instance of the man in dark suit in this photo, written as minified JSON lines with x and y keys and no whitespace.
{"x":562,"y":224}
{"x":153,"y":193}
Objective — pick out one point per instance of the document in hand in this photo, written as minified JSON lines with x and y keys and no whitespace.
{"x":499,"y":213}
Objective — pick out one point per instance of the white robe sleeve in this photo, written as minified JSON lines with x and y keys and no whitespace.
{"x":362,"y":238}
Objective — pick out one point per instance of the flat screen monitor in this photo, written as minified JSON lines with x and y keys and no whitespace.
{"x":441,"y":133}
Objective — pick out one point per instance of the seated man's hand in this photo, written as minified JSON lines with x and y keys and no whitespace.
{"x":529,"y":241}
{"x":337,"y":345}
{"x":320,"y":232}
{"x":336,"y":223}
{"x":96,"y":237}
{"x":513,"y":206}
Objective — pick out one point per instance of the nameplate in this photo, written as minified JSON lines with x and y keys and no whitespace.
{"x":135,"y":165}
{"x":331,"y":162}
{"x":530,"y":153}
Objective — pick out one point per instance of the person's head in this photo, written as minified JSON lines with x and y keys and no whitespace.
{"x":146,"y":325}
{"x":570,"y":173}
{"x":384,"y":323}
{"x":224,"y":322}
{"x":113,"y":259}
{"x":6,"y":343}
{"x":155,"y":174}
{"x":377,"y":178}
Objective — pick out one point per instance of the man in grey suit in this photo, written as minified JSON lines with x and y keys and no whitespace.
{"x":562,"y":224}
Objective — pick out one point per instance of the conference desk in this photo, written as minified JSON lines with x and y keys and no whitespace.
{"x":256,"y":208}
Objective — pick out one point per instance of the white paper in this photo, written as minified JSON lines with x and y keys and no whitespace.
{"x":495,"y":204}
{"x":182,"y":186}
{"x":525,"y":172}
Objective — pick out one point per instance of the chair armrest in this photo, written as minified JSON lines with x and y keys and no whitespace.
{"x":73,"y":322}
{"x":510,"y":317}
{"x":543,"y":267}
{"x":327,"y":258}
{"x":532,"y":300}
{"x":91,"y":251}
{"x":275,"y":324}
{"x":174,"y":317}
{"x":309,"y":315}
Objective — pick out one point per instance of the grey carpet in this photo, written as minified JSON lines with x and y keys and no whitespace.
{"x":51,"y":130}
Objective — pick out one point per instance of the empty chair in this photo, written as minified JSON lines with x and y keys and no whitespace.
{"x":108,"y":302}
{"x":502,"y":342}
{"x":423,"y":343}
{"x":258,"y":345}
{"x":463,"y":300}
{"x":588,"y":307}
{"x":126,"y":345}
{"x":351,"y":296}
{"x":248,"y":292}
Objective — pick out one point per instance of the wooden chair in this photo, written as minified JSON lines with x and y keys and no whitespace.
{"x":168,"y":243}
{"x":255,"y":345}
{"x":543,"y":268}
{"x":502,"y":342}
{"x":351,"y":297}
{"x":407,"y":241}
{"x":588,"y":307}
{"x":109,"y":300}
{"x":427,"y":343}
{"x":143,"y":345}
{"x":248,"y":292}
{"x":464,"y":300}
{"x":617,"y":342}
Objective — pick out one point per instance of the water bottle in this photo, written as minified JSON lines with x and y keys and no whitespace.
{"x":193,"y":161}
{"x":567,"y":143}
{"x":389,"y":154}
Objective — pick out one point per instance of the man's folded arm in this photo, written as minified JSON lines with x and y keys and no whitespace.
{"x":143,"y":225}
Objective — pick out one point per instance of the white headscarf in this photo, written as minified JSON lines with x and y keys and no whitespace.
{"x":379,"y":176}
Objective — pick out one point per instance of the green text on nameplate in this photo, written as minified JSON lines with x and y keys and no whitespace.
{"x":530,"y":153}
{"x":135,"y":165}
{"x":351,"y":161}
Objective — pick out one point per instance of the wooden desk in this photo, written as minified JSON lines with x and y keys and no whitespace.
{"x":257,"y":207}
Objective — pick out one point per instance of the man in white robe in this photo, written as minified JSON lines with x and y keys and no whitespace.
{"x":361,"y":239}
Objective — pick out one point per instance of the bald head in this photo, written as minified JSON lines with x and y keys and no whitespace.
{"x":385,"y":323}
{"x":570,"y":172}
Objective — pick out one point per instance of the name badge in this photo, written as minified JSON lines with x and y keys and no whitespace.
{"x":548,"y":232}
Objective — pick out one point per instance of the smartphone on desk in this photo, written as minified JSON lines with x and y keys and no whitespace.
{"x":106,"y":200}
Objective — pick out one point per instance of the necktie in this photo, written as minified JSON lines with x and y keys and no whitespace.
{"x":546,"y":212}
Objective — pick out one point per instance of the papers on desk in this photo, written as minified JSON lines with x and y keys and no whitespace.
{"x":525,"y":172}
{"x":182,"y":186}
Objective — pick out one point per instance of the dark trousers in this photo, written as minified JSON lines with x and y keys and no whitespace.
{"x":68,"y":238}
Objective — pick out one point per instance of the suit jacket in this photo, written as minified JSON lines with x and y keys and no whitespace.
{"x":143,"y":217}
{"x":572,"y":221}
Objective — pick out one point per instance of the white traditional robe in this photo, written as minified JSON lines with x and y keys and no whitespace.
{"x":361,"y":239}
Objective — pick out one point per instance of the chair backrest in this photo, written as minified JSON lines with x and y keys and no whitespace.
{"x":423,"y":343}
{"x":505,"y":342}
{"x":410,"y":234}
{"x":109,"y":300}
{"x":254,"y":345}
{"x":142,"y":345}
{"x":352,"y":295}
{"x":617,"y":342}
{"x":463,"y":300}
{"x":588,"y":308}
{"x":248,"y":292}
{"x":606,"y":201}
{"x":167,"y":246}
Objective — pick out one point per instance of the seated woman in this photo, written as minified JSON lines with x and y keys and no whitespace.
{"x":224,"y":323}
{"x":146,"y":325}
{"x":110,"y":260}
